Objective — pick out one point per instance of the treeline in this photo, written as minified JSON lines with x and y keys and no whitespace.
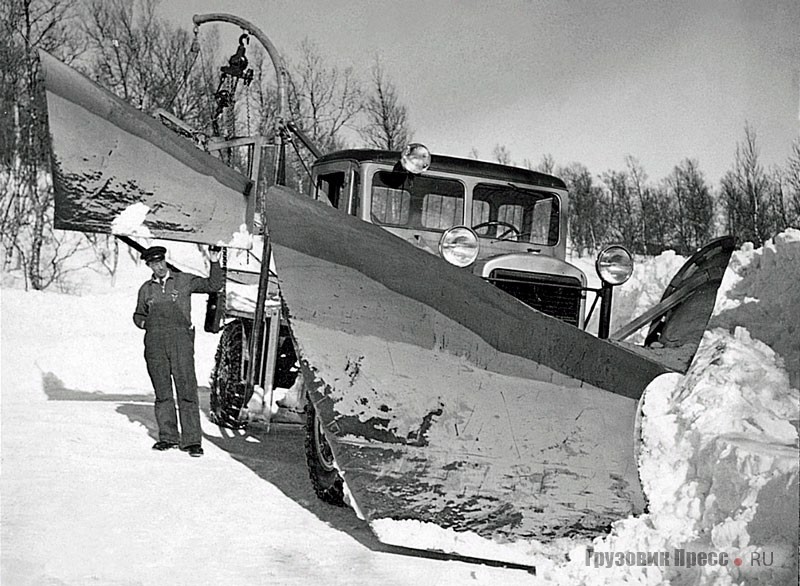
{"x":682,"y":211}
{"x":129,"y":49}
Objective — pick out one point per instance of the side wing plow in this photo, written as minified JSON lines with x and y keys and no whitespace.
{"x":677,"y":322}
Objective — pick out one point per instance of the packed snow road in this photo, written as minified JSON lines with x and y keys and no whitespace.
{"x":86,"y":501}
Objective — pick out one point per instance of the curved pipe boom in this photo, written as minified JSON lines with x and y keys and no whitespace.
{"x":272,"y":51}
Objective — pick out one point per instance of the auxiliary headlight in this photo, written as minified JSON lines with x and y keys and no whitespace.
{"x":614,"y":265}
{"x":459,"y":246}
{"x":415,"y":158}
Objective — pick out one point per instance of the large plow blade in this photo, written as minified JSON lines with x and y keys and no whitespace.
{"x":446,"y":401}
{"x":117,"y":170}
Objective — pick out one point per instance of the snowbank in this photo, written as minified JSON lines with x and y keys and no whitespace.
{"x":719,"y":456}
{"x":719,"y":466}
{"x":761,"y":291}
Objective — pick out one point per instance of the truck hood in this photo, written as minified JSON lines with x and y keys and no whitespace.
{"x":528,"y":262}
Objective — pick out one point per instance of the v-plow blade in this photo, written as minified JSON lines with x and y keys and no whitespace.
{"x":444,"y":400}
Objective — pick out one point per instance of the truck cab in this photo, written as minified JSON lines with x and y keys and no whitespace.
{"x":505,"y":224}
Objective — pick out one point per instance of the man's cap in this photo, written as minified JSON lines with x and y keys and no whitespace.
{"x":154,"y":253}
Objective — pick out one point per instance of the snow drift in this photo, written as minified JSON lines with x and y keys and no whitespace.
{"x":719,"y":455}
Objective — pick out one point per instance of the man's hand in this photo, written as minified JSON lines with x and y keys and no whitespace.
{"x":214,"y":253}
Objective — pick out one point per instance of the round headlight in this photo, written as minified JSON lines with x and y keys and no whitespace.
{"x":614,"y":265}
{"x":459,"y":246}
{"x":415,"y":158}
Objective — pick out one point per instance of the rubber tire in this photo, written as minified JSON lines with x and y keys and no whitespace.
{"x":328,"y":484}
{"x":228,"y":392}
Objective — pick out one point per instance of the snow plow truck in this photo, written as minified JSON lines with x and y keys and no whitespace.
{"x":419,"y":306}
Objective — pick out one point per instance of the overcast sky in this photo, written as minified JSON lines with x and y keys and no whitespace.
{"x":585,"y":81}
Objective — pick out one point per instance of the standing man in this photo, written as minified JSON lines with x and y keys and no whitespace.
{"x":164,"y":311}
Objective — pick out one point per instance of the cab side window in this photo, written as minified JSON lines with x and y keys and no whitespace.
{"x":330,"y":187}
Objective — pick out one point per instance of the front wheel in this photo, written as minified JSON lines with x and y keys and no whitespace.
{"x":328,"y":484}
{"x":228,"y":390}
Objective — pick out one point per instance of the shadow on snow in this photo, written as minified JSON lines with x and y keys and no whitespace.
{"x":277,"y":456}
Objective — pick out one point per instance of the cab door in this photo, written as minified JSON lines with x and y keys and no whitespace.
{"x":339,"y":185}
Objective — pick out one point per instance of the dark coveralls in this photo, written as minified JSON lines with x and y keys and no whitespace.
{"x":163,"y":310}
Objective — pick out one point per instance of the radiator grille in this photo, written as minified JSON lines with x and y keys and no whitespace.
{"x":555,"y":295}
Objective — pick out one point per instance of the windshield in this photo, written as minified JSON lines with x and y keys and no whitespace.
{"x":510,"y":213}
{"x":409,"y":201}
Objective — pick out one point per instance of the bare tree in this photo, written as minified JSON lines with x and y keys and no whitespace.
{"x":189,"y":64}
{"x":263,"y":96}
{"x":386,"y":124}
{"x":792,"y":178}
{"x":659,"y":212}
{"x":694,"y":206}
{"x":27,"y":236}
{"x":106,"y":251}
{"x":638,"y":184}
{"x":777,"y":198}
{"x":145,"y":60}
{"x":622,"y":215}
{"x":323,"y":99}
{"x":547,"y":164}
{"x":746,"y":196}
{"x":585,"y":214}
{"x":45,"y":24}
{"x":656,"y":210}
{"x":502,"y":155}
{"x":122,"y":37}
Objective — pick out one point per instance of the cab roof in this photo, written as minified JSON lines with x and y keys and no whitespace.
{"x":445,"y":164}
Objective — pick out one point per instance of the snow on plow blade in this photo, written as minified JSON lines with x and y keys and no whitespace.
{"x":117,"y":170}
{"x":447,"y":403}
